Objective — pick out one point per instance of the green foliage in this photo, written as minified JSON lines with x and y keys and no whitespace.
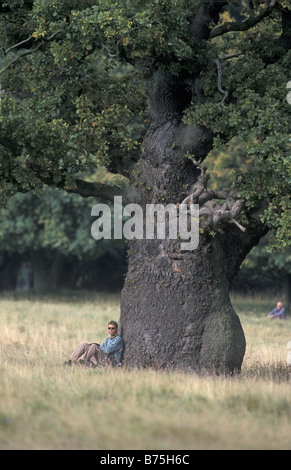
{"x":223,"y":164}
{"x":279,"y":261}
{"x":76,"y":107}
{"x":257,"y":116}
{"x":75,"y":96}
{"x":56,"y":221}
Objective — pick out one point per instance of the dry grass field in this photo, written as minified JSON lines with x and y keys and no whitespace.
{"x":44,"y":405}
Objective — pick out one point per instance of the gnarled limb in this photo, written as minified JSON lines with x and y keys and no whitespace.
{"x":216,"y":214}
{"x":242,"y":25}
{"x":28,"y":51}
{"x":219,"y":74}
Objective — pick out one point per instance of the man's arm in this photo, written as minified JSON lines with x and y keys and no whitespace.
{"x":271,"y":314}
{"x":280,"y":312}
{"x":111,"y":345}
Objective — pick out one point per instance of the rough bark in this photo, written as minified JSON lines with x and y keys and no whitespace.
{"x":176,"y":313}
{"x":175,"y":306}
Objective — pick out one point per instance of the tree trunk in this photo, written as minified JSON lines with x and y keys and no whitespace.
{"x":46,"y":270}
{"x":175,"y":306}
{"x":176,"y":313}
{"x":8,"y":273}
{"x":175,"y":309}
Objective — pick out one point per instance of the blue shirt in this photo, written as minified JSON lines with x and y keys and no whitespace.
{"x":277,"y":313}
{"x":112,"y":347}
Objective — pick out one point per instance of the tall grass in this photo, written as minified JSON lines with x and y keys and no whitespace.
{"x":44,"y":405}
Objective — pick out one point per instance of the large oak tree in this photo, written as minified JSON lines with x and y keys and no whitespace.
{"x":148,"y":89}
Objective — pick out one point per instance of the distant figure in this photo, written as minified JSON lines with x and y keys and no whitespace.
{"x":278,"y":312}
{"x":106,"y":354}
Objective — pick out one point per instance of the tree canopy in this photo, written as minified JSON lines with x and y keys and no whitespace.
{"x":57,"y":222}
{"x":75,"y":76}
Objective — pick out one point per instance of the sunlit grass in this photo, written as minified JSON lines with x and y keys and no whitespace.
{"x":266,"y":339}
{"x":44,"y":405}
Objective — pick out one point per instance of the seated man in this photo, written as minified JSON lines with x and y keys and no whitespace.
{"x":278,"y":312}
{"x":93,"y":354}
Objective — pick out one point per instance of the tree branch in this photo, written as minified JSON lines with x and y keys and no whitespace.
{"x":219,"y":75}
{"x":18,"y":45}
{"x":216,"y":214}
{"x":206,"y":12}
{"x":86,"y":188}
{"x":242,"y":25}
{"x":78,"y":186}
{"x":29,"y":51}
{"x":97,"y":190}
{"x":284,"y":41}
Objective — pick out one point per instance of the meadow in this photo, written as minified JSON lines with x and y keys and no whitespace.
{"x":44,"y":405}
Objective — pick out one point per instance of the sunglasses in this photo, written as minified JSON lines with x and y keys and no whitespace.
{"x":111,"y":328}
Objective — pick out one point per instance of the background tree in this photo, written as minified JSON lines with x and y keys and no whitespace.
{"x":264,"y":271}
{"x":267,"y":267}
{"x":197,"y":80}
{"x":48,"y":235}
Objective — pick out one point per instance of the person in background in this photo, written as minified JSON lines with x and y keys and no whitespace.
{"x":107,"y":353}
{"x":278,"y":312}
